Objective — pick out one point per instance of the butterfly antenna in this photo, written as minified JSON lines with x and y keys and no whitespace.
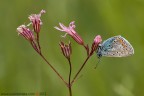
{"x":97,"y":63}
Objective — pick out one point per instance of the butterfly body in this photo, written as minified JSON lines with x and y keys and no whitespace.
{"x":116,"y":46}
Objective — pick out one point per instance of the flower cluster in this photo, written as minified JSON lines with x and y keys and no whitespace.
{"x":35,"y":21}
{"x":70,"y":30}
{"x":32,"y":35}
{"x":28,"y":34}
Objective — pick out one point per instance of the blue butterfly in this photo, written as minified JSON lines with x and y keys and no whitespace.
{"x":116,"y":46}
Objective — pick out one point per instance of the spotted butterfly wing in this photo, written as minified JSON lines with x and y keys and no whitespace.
{"x":116,"y":46}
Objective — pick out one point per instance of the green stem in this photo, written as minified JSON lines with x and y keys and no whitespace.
{"x":38,"y":50}
{"x":69,"y":80}
{"x":79,"y":70}
{"x":53,"y":69}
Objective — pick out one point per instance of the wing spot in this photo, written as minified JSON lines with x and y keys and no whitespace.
{"x":114,"y":41}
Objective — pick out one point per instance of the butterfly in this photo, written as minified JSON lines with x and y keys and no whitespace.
{"x":116,"y":46}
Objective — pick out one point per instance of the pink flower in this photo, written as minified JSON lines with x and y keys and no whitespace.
{"x":25,"y":32}
{"x":70,"y":31}
{"x":36,"y":21}
{"x":66,"y":49}
{"x":97,"y":41}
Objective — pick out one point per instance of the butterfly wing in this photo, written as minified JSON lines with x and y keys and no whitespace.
{"x":116,"y":46}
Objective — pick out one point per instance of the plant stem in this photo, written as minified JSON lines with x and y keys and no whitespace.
{"x":38,"y":42}
{"x":80,"y":70}
{"x":69,"y":79}
{"x":38,"y":50}
{"x":35,"y":46}
{"x":53,"y":69}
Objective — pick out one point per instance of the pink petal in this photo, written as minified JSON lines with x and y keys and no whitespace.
{"x":98,"y":39}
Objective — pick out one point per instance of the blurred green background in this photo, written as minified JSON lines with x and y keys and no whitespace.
{"x":22,"y":69}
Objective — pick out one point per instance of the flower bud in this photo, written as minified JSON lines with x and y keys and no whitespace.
{"x":25,"y":32}
{"x":66,"y":49}
{"x":36,"y":21}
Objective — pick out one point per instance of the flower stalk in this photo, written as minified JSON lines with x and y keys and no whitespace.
{"x":69,"y":79}
{"x":67,"y":51}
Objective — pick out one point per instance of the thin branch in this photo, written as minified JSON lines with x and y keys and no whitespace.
{"x":53,"y":69}
{"x":34,"y":46}
{"x":37,"y":38}
{"x":69,"y":80}
{"x":73,"y":80}
{"x":38,"y":50}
